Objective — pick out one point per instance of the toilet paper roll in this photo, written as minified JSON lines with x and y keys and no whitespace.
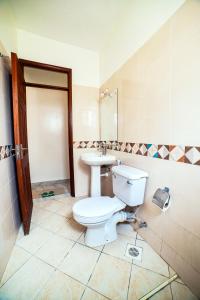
{"x":162,"y":199}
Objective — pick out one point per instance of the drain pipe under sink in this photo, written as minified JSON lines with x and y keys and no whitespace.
{"x":111,"y":228}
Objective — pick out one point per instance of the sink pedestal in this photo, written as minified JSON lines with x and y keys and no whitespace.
{"x":95,"y":160}
{"x":95,"y":185}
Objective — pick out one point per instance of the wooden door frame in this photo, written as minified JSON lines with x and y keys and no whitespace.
{"x":68,"y":72}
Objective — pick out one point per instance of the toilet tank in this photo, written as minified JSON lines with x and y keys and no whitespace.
{"x":129,"y":184}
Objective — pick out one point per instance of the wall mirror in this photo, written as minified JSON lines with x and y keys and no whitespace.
{"x":109,"y":115}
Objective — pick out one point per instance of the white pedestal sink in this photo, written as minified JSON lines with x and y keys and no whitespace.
{"x":95,"y":161}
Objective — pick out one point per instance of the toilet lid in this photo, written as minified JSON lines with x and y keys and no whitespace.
{"x":95,"y":207}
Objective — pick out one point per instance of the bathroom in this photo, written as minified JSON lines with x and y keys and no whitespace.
{"x":131,"y":123}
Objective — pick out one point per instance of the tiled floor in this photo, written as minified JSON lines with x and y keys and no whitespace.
{"x":59,"y":187}
{"x":54,"y":263}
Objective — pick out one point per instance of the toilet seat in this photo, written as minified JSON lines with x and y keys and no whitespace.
{"x":96,"y":209}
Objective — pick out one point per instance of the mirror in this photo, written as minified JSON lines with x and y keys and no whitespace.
{"x":109,"y":115}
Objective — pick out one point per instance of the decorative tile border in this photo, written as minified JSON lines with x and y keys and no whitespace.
{"x":178,"y":153}
{"x":5,"y":151}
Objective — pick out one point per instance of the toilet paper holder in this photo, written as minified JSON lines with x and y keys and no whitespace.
{"x":162,"y":198}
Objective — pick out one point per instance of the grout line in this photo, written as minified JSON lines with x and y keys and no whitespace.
{"x":129,"y":281}
{"x":45,"y":284}
{"x":150,"y":270}
{"x":83,"y":292}
{"x":171,"y":291}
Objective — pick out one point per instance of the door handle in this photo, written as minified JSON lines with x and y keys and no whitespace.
{"x":19,"y":151}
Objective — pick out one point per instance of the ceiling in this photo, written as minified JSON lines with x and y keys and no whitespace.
{"x":83,"y":23}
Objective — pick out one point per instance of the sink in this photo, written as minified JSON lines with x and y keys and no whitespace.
{"x":95,"y":160}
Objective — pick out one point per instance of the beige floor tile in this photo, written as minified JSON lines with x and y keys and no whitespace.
{"x":118,"y":247}
{"x":61,"y":287}
{"x":181,"y":292}
{"x":151,"y":260}
{"x":126,"y":229}
{"x":39,"y":215}
{"x":34,"y":240}
{"x":54,"y":222}
{"x":164,"y":294}
{"x":50,"y":205}
{"x":71,"y":230}
{"x":27,"y":282}
{"x":80,"y":262}
{"x":65,"y":210}
{"x":92,"y":295}
{"x":18,"y":257}
{"x":54,"y":250}
{"x":68,"y":199}
{"x":143,"y":281}
{"x":81,"y":240}
{"x":111,"y":277}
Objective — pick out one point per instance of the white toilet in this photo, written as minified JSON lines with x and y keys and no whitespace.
{"x":101,"y":214}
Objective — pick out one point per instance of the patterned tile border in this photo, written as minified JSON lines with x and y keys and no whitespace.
{"x":5,"y":151}
{"x":178,"y":153}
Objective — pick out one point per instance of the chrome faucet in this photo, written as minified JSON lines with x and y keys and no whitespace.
{"x":103,"y":148}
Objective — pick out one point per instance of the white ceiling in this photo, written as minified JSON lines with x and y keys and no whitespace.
{"x":84,"y":23}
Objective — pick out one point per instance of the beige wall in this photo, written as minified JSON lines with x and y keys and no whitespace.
{"x":85,"y":128}
{"x":47,"y":134}
{"x":159,"y":94}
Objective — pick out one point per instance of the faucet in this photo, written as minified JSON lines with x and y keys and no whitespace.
{"x":103,"y":148}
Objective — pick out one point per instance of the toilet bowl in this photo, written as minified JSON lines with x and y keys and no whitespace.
{"x":101,"y":214}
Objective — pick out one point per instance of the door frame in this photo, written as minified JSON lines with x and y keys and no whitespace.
{"x":68,"y":72}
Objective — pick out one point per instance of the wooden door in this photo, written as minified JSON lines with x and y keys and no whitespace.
{"x":21,"y":142}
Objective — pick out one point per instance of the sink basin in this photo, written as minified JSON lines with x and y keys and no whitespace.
{"x":97,"y":159}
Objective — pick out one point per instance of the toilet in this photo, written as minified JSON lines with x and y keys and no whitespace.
{"x":101,"y":214}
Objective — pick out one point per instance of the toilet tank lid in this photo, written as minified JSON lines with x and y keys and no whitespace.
{"x":129,"y":172}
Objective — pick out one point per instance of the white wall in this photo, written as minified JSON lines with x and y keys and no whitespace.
{"x":47,"y":134}
{"x":84,"y":63}
{"x":8,"y":36}
{"x":140,"y":22}
{"x":9,"y":218}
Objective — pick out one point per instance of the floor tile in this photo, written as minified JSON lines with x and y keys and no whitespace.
{"x":151,"y":260}
{"x":111,"y":277}
{"x":18,"y":257}
{"x":71,"y":230}
{"x":39,"y":215}
{"x":180,"y":291}
{"x":61,"y":287}
{"x":27,"y":282}
{"x":126,"y":229}
{"x":54,"y":250}
{"x":80,"y":262}
{"x":54,"y":222}
{"x":139,"y":237}
{"x":65,"y":209}
{"x":81,"y":240}
{"x":143,"y":281}
{"x":50,"y":205}
{"x":172,"y":272}
{"x":164,"y":294}
{"x":68,"y":199}
{"x":118,"y":247}
{"x":34,"y":240}
{"x":92,"y":295}
{"x":21,"y":230}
